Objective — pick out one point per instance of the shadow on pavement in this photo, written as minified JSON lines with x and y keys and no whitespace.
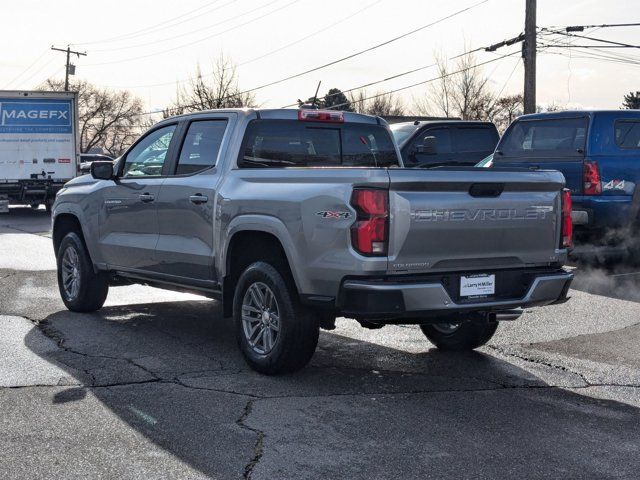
{"x":173,"y":373}
{"x":25,"y":220}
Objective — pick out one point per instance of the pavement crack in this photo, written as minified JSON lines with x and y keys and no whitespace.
{"x":538,"y":361}
{"x":258,"y":449}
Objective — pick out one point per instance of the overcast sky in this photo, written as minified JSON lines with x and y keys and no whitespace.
{"x":147,"y":46}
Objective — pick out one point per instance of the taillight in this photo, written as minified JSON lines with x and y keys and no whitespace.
{"x":567,"y":225}
{"x":370,"y":232}
{"x":591,"y":179}
{"x":330,"y":116}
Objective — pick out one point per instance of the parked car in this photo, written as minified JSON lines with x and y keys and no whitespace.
{"x":86,"y":159}
{"x":292,"y":218}
{"x":598,"y":152}
{"x":444,"y":142}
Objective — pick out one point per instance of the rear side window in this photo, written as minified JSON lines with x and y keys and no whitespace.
{"x":292,"y":143}
{"x":201,"y":146}
{"x":628,"y":133}
{"x":475,"y":139}
{"x":546,"y":138}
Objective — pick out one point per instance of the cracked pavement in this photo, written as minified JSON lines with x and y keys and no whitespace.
{"x":153,"y":386}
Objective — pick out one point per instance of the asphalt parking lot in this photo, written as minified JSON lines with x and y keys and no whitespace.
{"x":153,"y":386}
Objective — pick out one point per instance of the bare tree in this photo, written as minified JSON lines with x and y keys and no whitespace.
{"x":382,"y":104}
{"x":461,"y":91}
{"x":107,"y":119}
{"x":507,"y":109}
{"x":216,"y":90}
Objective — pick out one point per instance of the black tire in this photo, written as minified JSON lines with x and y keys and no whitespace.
{"x":92,"y":288}
{"x":467,"y":336}
{"x":298,"y":330}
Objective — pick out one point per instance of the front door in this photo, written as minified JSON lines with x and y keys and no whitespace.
{"x":129,"y":223}
{"x":185,"y":248}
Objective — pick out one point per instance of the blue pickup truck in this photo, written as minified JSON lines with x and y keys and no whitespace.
{"x":599,"y":154}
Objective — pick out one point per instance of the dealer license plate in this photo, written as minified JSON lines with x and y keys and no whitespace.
{"x":477,"y":285}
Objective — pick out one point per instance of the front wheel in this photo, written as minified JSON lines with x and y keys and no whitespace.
{"x":465,"y":335}
{"x":275,"y":333}
{"x":81,"y":289}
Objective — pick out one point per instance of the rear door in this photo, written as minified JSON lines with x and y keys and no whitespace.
{"x":472,"y":143}
{"x":556,"y":143}
{"x":186,"y":202}
{"x":471,"y":219}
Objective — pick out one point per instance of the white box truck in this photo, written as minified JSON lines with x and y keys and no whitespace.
{"x":39,"y":146}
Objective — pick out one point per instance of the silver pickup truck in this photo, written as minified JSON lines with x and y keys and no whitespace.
{"x":294,"y":217}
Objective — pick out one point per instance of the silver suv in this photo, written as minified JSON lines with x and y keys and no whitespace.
{"x":293,"y":217}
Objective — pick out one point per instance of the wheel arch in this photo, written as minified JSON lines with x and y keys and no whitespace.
{"x":249,"y":243}
{"x":66,"y":221}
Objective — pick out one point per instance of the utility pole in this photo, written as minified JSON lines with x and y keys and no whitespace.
{"x":529,"y":54}
{"x":70,"y":69}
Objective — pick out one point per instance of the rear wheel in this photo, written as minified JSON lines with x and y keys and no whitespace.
{"x":275,"y":333}
{"x":465,"y":335}
{"x":81,"y":289}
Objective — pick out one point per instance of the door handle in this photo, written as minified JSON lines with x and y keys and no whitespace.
{"x":198,"y":198}
{"x":146,"y":197}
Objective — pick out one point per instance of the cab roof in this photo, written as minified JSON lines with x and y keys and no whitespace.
{"x":277,"y":114}
{"x":579,"y":113}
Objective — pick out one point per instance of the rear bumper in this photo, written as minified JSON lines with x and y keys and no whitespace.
{"x":602,"y":211}
{"x":371,"y":299}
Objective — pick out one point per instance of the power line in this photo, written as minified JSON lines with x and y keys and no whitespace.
{"x":366,"y":50}
{"x":149,"y":29}
{"x":593,"y":57}
{"x":601,"y":40}
{"x":130,"y":59}
{"x":424,"y":81}
{"x":593,"y":53}
{"x":580,"y":28}
{"x":500,"y":57}
{"x":264,"y":55}
{"x":26,"y":80}
{"x":334,"y":62}
{"x":184,"y":34}
{"x":260,"y":57}
{"x":27,"y":69}
{"x":366,"y":85}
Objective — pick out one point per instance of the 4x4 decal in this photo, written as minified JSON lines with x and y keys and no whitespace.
{"x":337,"y":215}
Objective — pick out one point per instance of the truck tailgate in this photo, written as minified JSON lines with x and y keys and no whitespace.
{"x":571,"y":168}
{"x":472,"y":219}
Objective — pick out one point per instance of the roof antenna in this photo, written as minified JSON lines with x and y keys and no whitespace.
{"x":315,"y":97}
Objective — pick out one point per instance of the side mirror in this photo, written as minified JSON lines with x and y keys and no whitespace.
{"x":102,"y":170}
{"x":429,"y":146}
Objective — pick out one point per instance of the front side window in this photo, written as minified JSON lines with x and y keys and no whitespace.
{"x":628,"y":133}
{"x":545,"y":138}
{"x":201,"y":146}
{"x":147,"y":157}
{"x":291,"y":143}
